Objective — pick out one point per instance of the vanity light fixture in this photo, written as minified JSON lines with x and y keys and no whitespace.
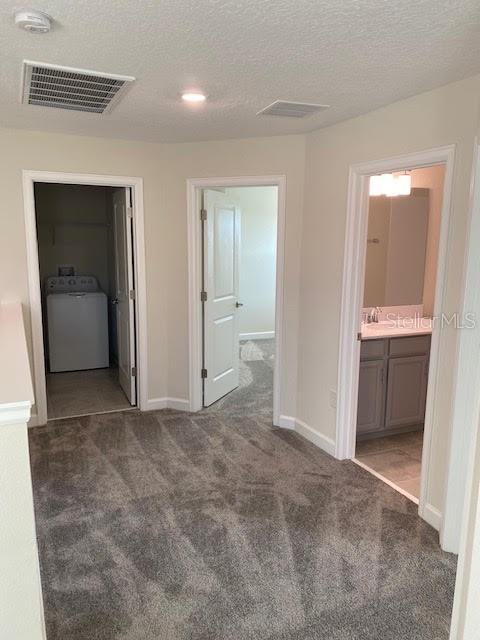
{"x":391,"y":185}
{"x":376,"y":186}
{"x":193,"y":96}
{"x":404,"y":184}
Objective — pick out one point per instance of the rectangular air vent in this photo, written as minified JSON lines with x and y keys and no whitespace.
{"x":292,"y":109}
{"x":74,"y":89}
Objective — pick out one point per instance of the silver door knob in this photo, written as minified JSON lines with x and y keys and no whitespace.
{"x":239,"y":304}
{"x":115,"y":301}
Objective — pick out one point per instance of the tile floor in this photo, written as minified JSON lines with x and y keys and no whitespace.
{"x":77,"y":393}
{"x":398,"y":458}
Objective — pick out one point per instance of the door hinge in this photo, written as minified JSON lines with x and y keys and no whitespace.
{"x":129,"y":212}
{"x":203,"y":214}
{"x":134,"y":372}
{"x":359,"y":336}
{"x":203,"y":296}
{"x":132,"y":294}
{"x":204,"y":373}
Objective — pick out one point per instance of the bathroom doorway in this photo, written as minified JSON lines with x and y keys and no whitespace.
{"x":404,"y":219}
{"x":384,"y":357}
{"x":86,"y":270}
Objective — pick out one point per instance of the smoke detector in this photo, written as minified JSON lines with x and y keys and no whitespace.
{"x":33,"y":21}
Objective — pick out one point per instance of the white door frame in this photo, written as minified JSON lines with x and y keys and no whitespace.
{"x":194,"y":227}
{"x":466,"y":404}
{"x":352,"y":303}
{"x":136,"y":184}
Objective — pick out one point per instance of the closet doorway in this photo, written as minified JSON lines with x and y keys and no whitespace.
{"x":87,"y":291}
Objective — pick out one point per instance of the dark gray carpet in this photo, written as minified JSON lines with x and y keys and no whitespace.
{"x":216,"y":526}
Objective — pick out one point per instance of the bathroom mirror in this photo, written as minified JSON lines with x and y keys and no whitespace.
{"x":396,"y":249}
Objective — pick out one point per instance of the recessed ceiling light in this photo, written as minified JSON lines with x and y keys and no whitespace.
{"x":193,"y":96}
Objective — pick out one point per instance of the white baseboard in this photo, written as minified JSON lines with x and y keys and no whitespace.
{"x":318,"y":439}
{"x":286,"y":422}
{"x":259,"y":335}
{"x":155,"y":404}
{"x":33,"y":422}
{"x":323,"y":442}
{"x":178,"y":403}
{"x":432,"y":515}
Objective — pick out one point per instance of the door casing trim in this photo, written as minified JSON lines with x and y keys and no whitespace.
{"x":194,"y":189}
{"x":29,"y":178}
{"x":352,"y":295}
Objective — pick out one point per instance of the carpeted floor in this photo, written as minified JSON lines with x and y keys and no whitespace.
{"x":254,"y":394}
{"x":217,"y":526}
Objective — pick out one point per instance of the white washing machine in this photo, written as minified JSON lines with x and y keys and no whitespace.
{"x":77,"y":317}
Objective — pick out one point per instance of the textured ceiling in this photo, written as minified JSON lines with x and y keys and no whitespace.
{"x":355,"y":55}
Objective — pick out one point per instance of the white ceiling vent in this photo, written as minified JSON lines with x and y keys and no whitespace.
{"x":292,"y":109}
{"x":74,"y":89}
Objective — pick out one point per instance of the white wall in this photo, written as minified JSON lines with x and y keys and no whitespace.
{"x":441,"y":117}
{"x":257,"y":258}
{"x":21,"y":607}
{"x":466,"y":612}
{"x":164,"y":169}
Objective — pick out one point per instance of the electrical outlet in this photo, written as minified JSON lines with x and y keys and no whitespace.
{"x":333,"y":398}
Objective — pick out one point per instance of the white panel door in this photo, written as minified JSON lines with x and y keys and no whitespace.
{"x":125,"y":305}
{"x":221,"y":256}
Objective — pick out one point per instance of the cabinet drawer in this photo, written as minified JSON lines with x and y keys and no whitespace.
{"x":373,"y":349}
{"x":413,"y":345}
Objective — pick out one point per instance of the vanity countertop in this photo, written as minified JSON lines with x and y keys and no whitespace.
{"x":398,"y":329}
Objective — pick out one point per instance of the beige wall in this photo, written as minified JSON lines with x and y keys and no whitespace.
{"x":164,"y":169}
{"x":72,"y":229}
{"x":285,"y":155}
{"x":445,"y":116}
{"x":406,"y":251}
{"x":431,"y":178}
{"x":442,"y":117}
{"x":377,"y":252}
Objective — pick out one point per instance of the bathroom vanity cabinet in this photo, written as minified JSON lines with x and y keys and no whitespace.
{"x":392,"y":385}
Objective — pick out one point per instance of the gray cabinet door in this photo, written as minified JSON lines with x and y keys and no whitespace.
{"x":406,"y":391}
{"x":371,"y":393}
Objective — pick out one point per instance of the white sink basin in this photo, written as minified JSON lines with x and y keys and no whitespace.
{"x":390,"y":328}
{"x":381,"y":326}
